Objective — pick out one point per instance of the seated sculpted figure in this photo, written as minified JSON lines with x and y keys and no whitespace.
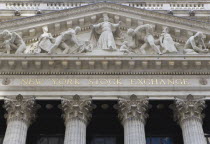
{"x":143,"y":34}
{"x":167,"y":42}
{"x":194,"y":44}
{"x":43,"y":44}
{"x":12,"y":41}
{"x":67,"y":41}
{"x":46,"y":40}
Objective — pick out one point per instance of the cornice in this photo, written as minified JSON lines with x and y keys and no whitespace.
{"x":105,"y":65}
{"x":110,"y":0}
{"x":102,"y":7}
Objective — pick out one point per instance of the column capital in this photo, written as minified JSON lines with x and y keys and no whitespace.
{"x":187,"y":108}
{"x":76,"y":108}
{"x":20,"y":108}
{"x":133,"y":108}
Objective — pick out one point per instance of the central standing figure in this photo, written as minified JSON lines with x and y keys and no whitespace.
{"x":103,"y":34}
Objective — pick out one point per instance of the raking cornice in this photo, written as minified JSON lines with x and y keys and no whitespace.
{"x":100,"y":7}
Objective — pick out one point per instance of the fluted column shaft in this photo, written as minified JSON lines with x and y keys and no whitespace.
{"x":133,"y":115}
{"x":20,"y":113}
{"x":188,"y":113}
{"x":75,"y":132}
{"x":192,"y":131}
{"x":76,"y":115}
{"x":16,"y":133}
{"x":134,"y":132}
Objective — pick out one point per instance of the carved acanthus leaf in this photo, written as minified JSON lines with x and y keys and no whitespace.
{"x":188,"y":108}
{"x":19,"y":108}
{"x":133,"y":109}
{"x":76,"y":108}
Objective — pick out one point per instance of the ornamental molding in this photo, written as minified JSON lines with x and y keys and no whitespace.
{"x":85,"y":30}
{"x":133,"y":109}
{"x":104,"y":65}
{"x":20,"y":109}
{"x":98,"y":8}
{"x":76,"y":108}
{"x":188,"y":108}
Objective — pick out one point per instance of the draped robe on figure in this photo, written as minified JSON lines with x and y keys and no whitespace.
{"x":103,"y":35}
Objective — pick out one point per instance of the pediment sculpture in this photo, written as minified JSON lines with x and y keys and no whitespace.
{"x":103,"y":35}
{"x":106,"y":37}
{"x":12,"y":42}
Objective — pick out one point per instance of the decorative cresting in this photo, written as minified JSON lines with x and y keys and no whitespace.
{"x":76,"y":116}
{"x":133,"y":114}
{"x":188,"y":113}
{"x":20,"y":114}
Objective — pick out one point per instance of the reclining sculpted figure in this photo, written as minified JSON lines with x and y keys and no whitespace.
{"x":13,"y":41}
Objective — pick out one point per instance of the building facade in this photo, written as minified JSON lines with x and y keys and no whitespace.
{"x":89,"y":72}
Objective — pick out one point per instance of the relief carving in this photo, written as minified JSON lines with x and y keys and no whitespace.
{"x":12,"y":42}
{"x":20,"y":108}
{"x":195,"y":44}
{"x":167,"y":42}
{"x":67,"y":42}
{"x":105,"y":37}
{"x":142,"y":38}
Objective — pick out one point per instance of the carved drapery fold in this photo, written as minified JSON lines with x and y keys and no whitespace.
{"x":188,"y":113}
{"x":20,"y":114}
{"x":133,"y":114}
{"x":76,"y":115}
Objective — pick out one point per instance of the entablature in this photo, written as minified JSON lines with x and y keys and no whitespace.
{"x":104,"y":65}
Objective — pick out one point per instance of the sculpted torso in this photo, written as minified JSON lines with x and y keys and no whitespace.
{"x":106,"y":26}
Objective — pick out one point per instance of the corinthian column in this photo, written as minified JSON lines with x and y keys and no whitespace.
{"x":76,"y":116}
{"x":20,"y":113}
{"x":133,"y":115}
{"x":188,"y":113}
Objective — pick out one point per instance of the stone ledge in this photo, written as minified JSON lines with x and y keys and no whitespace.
{"x":95,"y":65}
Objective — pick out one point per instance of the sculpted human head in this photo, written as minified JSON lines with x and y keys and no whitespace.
{"x":130,"y":32}
{"x":6,"y":33}
{"x":106,"y":18}
{"x":199,"y":35}
{"x":77,"y":29}
{"x":165,"y":30}
{"x":45,"y":29}
{"x":149,"y":29}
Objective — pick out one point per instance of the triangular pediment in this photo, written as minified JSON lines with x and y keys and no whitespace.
{"x":117,"y":11}
{"x":57,"y":22}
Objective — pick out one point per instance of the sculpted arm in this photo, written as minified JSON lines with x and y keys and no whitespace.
{"x":193,"y":44}
{"x":96,"y":25}
{"x":75,"y":40}
{"x":116,"y":25}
